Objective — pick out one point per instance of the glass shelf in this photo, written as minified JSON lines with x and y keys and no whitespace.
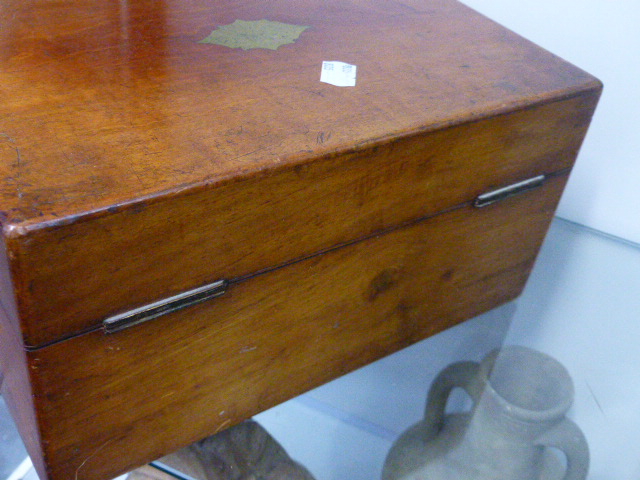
{"x":580,"y":306}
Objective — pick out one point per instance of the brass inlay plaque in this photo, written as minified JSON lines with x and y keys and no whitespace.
{"x":255,"y":34}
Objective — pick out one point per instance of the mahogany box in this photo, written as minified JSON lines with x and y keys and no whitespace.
{"x":196,"y":228}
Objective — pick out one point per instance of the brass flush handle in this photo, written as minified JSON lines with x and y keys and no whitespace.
{"x":163,"y":307}
{"x":508,"y":191}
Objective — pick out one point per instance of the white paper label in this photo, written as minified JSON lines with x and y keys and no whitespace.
{"x":339,"y":74}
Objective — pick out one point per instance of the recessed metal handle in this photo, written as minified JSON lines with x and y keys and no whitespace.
{"x":163,"y":307}
{"x":508,"y":191}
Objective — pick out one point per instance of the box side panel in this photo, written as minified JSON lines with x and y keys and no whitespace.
{"x":153,"y":388}
{"x":76,"y":274}
{"x":15,"y":384}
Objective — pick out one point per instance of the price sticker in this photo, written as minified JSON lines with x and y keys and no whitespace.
{"x":339,"y":74}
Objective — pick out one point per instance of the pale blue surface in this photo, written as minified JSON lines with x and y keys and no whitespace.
{"x":12,"y":450}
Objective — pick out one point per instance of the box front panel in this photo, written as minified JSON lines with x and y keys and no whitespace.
{"x":158,"y":386}
{"x":71,"y":277}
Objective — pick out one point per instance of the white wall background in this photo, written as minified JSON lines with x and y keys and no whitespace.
{"x":603,"y":38}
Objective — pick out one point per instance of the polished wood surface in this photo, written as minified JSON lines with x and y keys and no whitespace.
{"x":108,"y":103}
{"x":108,"y":110}
{"x":77,"y":275}
{"x":137,"y":163}
{"x":108,"y":403}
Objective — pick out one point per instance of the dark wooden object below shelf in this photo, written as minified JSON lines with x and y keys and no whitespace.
{"x":243,"y":452}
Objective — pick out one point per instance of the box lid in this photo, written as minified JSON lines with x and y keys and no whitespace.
{"x":128,"y":140}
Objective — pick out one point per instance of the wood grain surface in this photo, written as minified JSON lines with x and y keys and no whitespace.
{"x":71,"y":277}
{"x":104,"y":104}
{"x":154,"y":388}
{"x":137,"y":162}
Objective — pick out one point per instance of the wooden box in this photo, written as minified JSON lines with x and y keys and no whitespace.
{"x":196,"y":228}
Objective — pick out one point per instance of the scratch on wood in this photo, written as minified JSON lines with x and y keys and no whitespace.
{"x":135,"y":174}
{"x":313,"y":92}
{"x":7,"y":137}
{"x":250,"y":153}
{"x":221,"y":427}
{"x":92,"y":455}
{"x":323,"y":137}
{"x":18,"y":163}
